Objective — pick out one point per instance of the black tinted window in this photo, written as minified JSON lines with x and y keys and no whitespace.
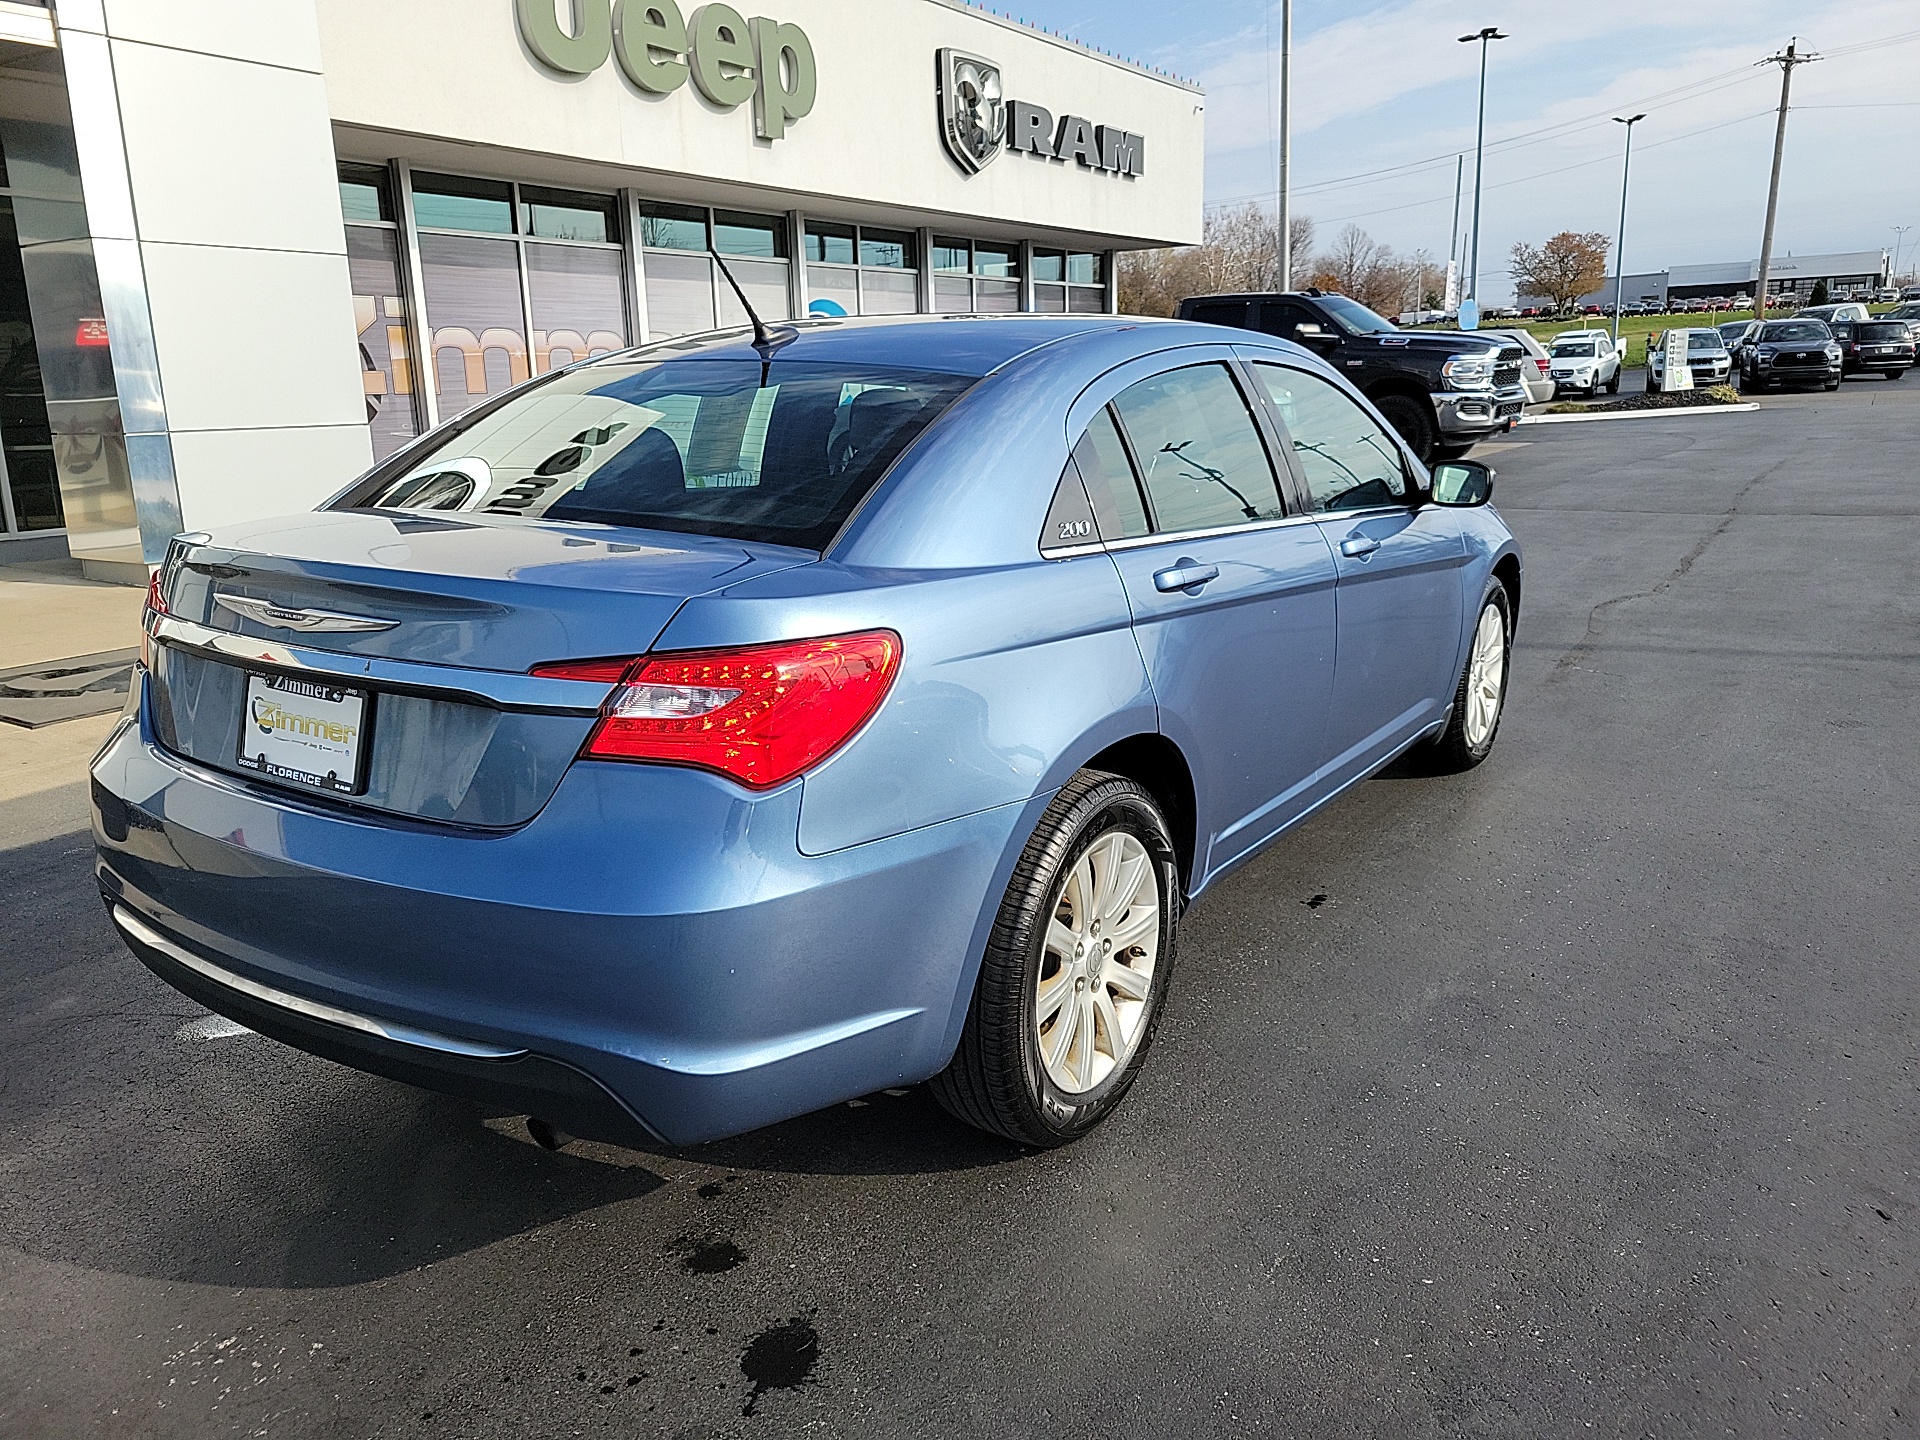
{"x":705,"y":446}
{"x":1101,"y":459}
{"x":1883,"y":332}
{"x":1220,"y":312}
{"x":1199,"y":450}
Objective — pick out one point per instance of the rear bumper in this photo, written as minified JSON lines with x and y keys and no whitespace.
{"x":652,"y":954}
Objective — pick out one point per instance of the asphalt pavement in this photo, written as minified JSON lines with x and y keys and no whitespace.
{"x":1574,"y":1095}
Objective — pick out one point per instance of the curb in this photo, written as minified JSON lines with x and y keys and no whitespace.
{"x":1641,"y":414}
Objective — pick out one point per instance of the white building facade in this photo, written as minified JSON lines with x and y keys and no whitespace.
{"x":258,"y":244}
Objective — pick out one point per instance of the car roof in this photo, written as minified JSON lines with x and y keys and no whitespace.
{"x":973,"y":345}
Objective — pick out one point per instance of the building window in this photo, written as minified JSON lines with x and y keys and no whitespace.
{"x":490,"y":252}
{"x":684,"y":294}
{"x":972,"y":276}
{"x":1068,"y":281}
{"x":379,"y":306}
{"x":855,"y":270}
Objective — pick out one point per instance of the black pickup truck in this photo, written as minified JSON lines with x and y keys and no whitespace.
{"x":1441,"y":389}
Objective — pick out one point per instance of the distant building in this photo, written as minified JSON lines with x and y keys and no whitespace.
{"x":1790,"y":275}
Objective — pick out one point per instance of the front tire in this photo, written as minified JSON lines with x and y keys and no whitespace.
{"x":1613,"y":385}
{"x":1063,"y":1014}
{"x":1480,"y":699}
{"x":1414,"y":420}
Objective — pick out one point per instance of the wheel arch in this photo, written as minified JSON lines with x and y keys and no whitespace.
{"x":1507,"y":571}
{"x":1157,"y":765}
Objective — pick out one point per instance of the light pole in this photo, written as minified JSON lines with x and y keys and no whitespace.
{"x":1284,"y":203}
{"x":1491,"y":32}
{"x":1899,"y":237}
{"x":1620,"y":236}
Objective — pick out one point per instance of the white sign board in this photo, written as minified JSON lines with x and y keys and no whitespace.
{"x":1675,"y":374}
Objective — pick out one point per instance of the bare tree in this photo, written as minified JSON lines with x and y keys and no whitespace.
{"x":1566,"y":267}
{"x":1239,"y":250}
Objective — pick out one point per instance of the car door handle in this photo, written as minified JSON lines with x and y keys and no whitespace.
{"x":1185,"y":574}
{"x":1356,"y":547}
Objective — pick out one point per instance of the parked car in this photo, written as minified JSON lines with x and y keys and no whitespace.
{"x":1534,"y":369}
{"x":1845,"y":310}
{"x":1910,"y":292}
{"x":1707,"y":358}
{"x":1887,"y":295}
{"x":1874,"y":347}
{"x":1908,"y":314}
{"x":1790,"y":352}
{"x":702,"y":734}
{"x":1734,"y":334}
{"x":1442,"y":390}
{"x":1585,"y":361}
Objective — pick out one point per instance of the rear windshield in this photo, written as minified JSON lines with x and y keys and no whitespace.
{"x":1798,"y":332}
{"x":780,"y":453}
{"x":1881,"y":331}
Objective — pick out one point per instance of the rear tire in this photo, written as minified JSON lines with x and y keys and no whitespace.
{"x":1895,"y":374}
{"x":1480,"y":699}
{"x":1101,"y":855}
{"x":1414,"y":420}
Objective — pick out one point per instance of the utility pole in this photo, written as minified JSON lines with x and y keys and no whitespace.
{"x":1284,"y":205}
{"x":1899,"y":237}
{"x":1491,"y":32}
{"x":1786,"y":60}
{"x":1451,"y":299}
{"x":1620,"y":238}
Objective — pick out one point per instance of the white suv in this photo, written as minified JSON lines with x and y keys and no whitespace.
{"x":1584,"y":360}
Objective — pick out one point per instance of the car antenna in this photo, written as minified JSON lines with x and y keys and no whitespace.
{"x":764,"y":340}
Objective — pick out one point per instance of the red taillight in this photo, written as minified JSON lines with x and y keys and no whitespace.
{"x":760,"y":714}
{"x":1541,"y":366}
{"x":156,"y":605}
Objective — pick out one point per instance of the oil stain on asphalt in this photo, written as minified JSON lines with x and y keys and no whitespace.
{"x":710,"y":1255}
{"x":781,"y":1357}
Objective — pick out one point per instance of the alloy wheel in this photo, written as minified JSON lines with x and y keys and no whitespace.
{"x":1486,"y":675}
{"x":1096,"y":971}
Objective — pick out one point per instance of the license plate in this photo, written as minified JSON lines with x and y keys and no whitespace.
{"x":303,"y":732}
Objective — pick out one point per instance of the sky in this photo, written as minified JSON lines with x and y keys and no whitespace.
{"x":1384,"y":85}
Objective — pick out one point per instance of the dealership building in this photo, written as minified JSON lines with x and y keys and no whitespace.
{"x":251,"y":247}
{"x":1790,"y":276}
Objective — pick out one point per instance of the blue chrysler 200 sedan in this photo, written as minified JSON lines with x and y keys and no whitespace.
{"x":711,"y":732}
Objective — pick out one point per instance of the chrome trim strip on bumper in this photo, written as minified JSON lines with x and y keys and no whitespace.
{"x":496,"y":689}
{"x":312,"y":1009}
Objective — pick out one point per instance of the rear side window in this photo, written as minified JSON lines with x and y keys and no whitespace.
{"x":779,"y":454}
{"x":1101,"y":459}
{"x":1348,"y":460}
{"x":1220,"y":312}
{"x":1199,"y":449}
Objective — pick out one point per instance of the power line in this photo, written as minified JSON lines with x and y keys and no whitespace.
{"x":1679,"y":94}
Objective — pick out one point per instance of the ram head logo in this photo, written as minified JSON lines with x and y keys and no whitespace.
{"x":973,"y":109}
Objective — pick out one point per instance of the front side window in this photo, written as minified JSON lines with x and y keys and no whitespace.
{"x":1199,"y":450}
{"x":1349,"y":461}
{"x":779,"y":454}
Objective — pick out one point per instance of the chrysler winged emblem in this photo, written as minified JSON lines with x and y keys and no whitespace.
{"x":265,"y":612}
{"x":973,"y":110}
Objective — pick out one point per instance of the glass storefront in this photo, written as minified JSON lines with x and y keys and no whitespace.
{"x":519,"y":279}
{"x":515,"y":280}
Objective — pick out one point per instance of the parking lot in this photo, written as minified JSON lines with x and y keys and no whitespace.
{"x":1573,"y":1094}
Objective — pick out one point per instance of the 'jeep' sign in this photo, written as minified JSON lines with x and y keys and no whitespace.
{"x":976,"y":123}
{"x":731,"y":59}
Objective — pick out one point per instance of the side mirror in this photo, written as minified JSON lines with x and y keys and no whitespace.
{"x":1308,"y":333}
{"x":1462,"y":483}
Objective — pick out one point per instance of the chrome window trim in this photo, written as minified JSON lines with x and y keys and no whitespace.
{"x":495,"y":689}
{"x":139,"y":930}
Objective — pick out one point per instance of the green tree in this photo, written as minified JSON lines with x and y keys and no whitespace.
{"x":1819,"y":295}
